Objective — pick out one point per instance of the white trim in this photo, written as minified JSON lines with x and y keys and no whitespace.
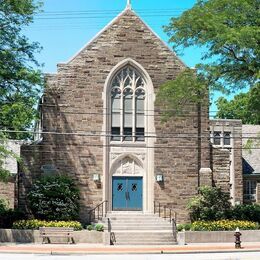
{"x":129,"y":5}
{"x":125,"y":155}
{"x":148,"y":163}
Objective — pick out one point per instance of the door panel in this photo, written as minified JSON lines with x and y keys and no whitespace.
{"x":119,"y":193}
{"x":127,"y":193}
{"x":135,"y":190}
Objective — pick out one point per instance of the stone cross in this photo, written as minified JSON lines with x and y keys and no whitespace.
{"x":128,"y":6}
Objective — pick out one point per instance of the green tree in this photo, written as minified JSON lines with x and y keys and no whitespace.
{"x":244,"y":106}
{"x":175,"y":95}
{"x":230,"y":33}
{"x":211,"y":204}
{"x":20,"y":82}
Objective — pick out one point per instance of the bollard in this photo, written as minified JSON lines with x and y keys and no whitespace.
{"x":237,"y":239}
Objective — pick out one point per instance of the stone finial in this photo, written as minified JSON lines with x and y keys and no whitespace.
{"x":129,"y":5}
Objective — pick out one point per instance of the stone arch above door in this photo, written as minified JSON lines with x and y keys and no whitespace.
{"x":127,"y":166}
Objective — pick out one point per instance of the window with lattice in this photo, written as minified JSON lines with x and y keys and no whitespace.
{"x":128,"y":106}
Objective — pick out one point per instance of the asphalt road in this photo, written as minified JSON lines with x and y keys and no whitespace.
{"x":206,"y":256}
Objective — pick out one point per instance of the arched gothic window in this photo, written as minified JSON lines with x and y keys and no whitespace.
{"x":128,"y":106}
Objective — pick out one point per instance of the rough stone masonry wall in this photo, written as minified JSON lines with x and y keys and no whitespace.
{"x":73,"y":103}
{"x":235,"y":127}
{"x":8,"y":189}
{"x":221,"y":168}
{"x":7,"y":192}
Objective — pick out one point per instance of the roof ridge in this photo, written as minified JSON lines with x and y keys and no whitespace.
{"x":127,"y":9}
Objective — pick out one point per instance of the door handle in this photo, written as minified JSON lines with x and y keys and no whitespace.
{"x":126,"y":195}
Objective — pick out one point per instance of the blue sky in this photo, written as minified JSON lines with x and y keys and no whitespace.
{"x":67,"y":25}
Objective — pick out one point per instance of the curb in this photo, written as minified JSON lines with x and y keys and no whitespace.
{"x":129,"y":252}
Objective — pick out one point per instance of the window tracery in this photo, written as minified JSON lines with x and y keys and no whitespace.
{"x":128,"y":105}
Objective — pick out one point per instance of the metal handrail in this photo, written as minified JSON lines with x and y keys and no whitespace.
{"x":172,"y":217}
{"x":162,"y":211}
{"x":101,"y":212}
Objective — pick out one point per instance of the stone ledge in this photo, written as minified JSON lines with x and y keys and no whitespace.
{"x":187,"y":237}
{"x":33,"y":236}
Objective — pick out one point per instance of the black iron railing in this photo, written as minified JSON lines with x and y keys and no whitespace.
{"x":112,"y":234}
{"x":168,"y":214}
{"x":165,"y":212}
{"x":98,"y":212}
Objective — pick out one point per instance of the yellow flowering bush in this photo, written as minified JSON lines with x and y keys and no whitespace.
{"x":223,"y":225}
{"x":35,"y":224}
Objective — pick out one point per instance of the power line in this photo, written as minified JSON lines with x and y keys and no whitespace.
{"x":112,"y":12}
{"x":109,"y":134}
{"x":129,"y":146}
{"x":95,"y":17}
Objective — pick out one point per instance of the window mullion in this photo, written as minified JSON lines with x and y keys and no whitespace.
{"x":134,"y":108}
{"x":122,"y":112}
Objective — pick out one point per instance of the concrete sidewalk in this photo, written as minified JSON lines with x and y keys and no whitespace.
{"x":101,"y":249}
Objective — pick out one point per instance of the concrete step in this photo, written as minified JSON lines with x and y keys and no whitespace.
{"x":139,"y":229}
{"x":149,"y":238}
{"x":114,"y":227}
{"x":137,"y":220}
{"x":144,"y":243}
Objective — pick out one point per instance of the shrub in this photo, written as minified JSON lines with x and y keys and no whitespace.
{"x":246,"y":212}
{"x":54,"y":198}
{"x":35,"y":224}
{"x":223,"y":225}
{"x":8,"y":216}
{"x":90,"y":227}
{"x":180,"y":227}
{"x":3,"y":205}
{"x":99,"y":227}
{"x":211,"y":204}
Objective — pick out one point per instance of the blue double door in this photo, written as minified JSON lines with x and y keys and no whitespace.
{"x":127,"y":193}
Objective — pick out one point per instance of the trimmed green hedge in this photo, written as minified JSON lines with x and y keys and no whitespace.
{"x":97,"y":227}
{"x":35,"y":224}
{"x":219,"y":225}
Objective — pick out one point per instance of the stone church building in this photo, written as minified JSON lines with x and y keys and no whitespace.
{"x":102,"y":126}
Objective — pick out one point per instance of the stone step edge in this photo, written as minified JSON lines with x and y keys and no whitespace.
{"x":141,"y":231}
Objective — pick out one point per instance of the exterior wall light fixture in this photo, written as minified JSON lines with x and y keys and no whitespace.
{"x":96,"y":177}
{"x":159,"y":177}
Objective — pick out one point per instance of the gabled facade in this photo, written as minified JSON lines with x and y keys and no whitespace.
{"x":102,"y":126}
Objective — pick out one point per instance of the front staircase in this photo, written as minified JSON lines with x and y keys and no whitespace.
{"x":132,"y":228}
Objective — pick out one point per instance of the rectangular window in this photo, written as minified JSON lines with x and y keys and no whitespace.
{"x":227,"y":138}
{"x":250,"y":190}
{"x":217,"y":138}
{"x":128,"y":132}
{"x":139,"y":134}
{"x":115,"y":134}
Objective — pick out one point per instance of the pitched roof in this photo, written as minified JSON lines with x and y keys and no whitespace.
{"x":251,"y":157}
{"x":126,"y":11}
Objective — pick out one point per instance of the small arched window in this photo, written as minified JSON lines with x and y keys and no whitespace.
{"x":128,"y":105}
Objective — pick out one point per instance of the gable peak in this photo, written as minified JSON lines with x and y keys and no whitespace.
{"x":129,"y":5}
